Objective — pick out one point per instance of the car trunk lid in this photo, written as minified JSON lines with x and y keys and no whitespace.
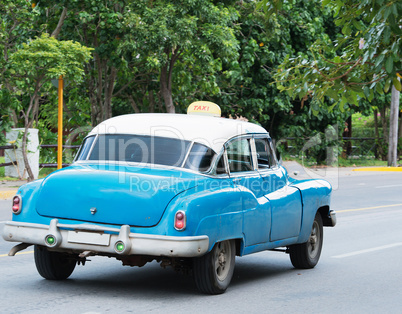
{"x":122,"y":195}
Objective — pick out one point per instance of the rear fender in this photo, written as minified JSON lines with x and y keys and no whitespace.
{"x":28,"y":193}
{"x":316,"y":196}
{"x":216,"y":213}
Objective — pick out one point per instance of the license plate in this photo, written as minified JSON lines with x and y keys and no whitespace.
{"x":88,"y":238}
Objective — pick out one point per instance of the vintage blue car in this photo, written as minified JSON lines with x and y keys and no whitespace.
{"x":189,"y":191}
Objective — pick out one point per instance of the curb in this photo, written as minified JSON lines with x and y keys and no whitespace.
{"x":379,"y":169}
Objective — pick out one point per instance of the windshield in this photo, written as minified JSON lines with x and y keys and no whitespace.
{"x":146,"y":149}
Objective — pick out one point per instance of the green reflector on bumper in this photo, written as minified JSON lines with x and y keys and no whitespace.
{"x":120,"y":247}
{"x":50,"y":240}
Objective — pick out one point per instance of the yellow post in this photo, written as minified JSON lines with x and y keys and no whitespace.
{"x":60,"y":125}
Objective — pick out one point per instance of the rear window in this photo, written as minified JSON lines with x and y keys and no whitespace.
{"x":141,"y":149}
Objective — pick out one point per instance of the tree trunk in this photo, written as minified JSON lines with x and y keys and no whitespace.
{"x":57,"y":30}
{"x":34,"y":107}
{"x":166,"y":90}
{"x":100,"y":89}
{"x":14,"y":117}
{"x":393,"y":129}
{"x":166,"y":79}
{"x":109,"y":87}
{"x":25,"y":156}
{"x":35,"y":112}
{"x":383,"y":112}
{"x":25,"y":136}
{"x":151,"y":101}
{"x":347,"y":132}
{"x":133,"y":104}
{"x":379,"y":151}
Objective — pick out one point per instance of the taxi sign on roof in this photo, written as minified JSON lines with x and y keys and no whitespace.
{"x":204,"y":108}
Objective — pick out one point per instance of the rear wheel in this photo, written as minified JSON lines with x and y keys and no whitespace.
{"x":213,"y":271}
{"x":53,"y":265}
{"x":306,"y":255}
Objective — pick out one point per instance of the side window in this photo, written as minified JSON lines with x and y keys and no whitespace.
{"x":239,"y":155}
{"x":200,"y":158}
{"x":264,"y":154}
{"x":220,"y":167}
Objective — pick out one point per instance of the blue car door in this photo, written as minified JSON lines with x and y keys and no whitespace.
{"x":255,"y":206}
{"x":285,"y":200}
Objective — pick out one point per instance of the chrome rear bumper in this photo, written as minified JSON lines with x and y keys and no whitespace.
{"x":97,"y":239}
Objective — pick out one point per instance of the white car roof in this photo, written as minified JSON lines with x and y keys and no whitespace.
{"x":210,"y":131}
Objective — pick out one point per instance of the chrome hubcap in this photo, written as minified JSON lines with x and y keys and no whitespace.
{"x":314,"y":240}
{"x":222,"y":260}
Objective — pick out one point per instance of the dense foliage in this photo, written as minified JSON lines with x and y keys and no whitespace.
{"x":364,"y":59}
{"x":295,"y":66}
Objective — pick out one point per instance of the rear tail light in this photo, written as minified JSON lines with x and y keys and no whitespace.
{"x":17,"y":204}
{"x":180,"y":220}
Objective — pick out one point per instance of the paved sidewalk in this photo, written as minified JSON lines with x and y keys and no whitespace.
{"x":9,"y":188}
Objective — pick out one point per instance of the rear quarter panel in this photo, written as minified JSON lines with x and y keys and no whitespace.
{"x":315,"y":194}
{"x":213,"y":208}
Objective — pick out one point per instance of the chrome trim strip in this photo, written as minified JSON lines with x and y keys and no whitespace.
{"x":187,"y":154}
{"x":253,"y":154}
{"x":92,"y":147}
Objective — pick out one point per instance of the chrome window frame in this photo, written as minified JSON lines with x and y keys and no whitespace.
{"x":274,"y":167}
{"x":248,"y":137}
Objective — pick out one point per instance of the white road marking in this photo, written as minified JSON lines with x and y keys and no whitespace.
{"x":368,"y":250}
{"x":366,"y":208}
{"x":388,"y":186}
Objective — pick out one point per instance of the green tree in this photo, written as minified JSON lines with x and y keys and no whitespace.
{"x":34,"y":65}
{"x":99,"y":26}
{"x":245,"y":82}
{"x":197,"y":34}
{"x":16,"y":26}
{"x":366,"y":57}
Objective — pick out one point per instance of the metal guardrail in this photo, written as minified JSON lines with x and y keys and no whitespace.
{"x":359,"y":146}
{"x":362,"y":147}
{"x":7,"y":147}
{"x":365,"y":148}
{"x":43,"y":165}
{"x":54,"y":165}
{"x":7,"y":163}
{"x":55,"y":146}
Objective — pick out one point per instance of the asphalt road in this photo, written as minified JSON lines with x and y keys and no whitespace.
{"x":359,"y":270}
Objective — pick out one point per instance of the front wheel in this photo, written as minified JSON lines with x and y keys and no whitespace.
{"x":53,"y":265}
{"x":213,"y":271}
{"x":306,"y":255}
